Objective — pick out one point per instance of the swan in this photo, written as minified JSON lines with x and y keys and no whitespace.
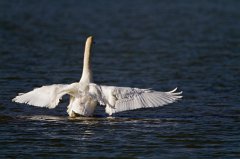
{"x":84,"y":95}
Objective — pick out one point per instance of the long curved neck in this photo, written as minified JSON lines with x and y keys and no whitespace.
{"x":87,"y":71}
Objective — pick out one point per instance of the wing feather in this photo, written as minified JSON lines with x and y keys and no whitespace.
{"x":136,"y":99}
{"x":118,"y":99}
{"x":45,"y":96}
{"x":149,"y":102}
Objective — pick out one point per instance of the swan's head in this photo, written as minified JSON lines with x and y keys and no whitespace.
{"x":89,"y":40}
{"x":87,"y":50}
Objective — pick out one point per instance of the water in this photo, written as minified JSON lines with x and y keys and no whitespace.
{"x":145,"y":43}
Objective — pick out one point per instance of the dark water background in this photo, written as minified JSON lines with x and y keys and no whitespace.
{"x":193,"y":45}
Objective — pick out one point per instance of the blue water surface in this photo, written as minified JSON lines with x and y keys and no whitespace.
{"x":192,"y":45}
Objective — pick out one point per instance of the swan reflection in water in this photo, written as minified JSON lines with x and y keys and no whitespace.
{"x":84,"y":95}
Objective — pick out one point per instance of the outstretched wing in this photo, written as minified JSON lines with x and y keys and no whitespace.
{"x":118,"y":99}
{"x":138,"y":98}
{"x":45,"y":96}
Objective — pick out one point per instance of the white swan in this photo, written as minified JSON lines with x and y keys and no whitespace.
{"x":84,"y":95}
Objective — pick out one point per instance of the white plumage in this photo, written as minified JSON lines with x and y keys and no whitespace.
{"x":84,"y":95}
{"x":118,"y":99}
{"x":45,"y":96}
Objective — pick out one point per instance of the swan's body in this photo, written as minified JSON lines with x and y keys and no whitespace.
{"x":85,"y":95}
{"x":79,"y":103}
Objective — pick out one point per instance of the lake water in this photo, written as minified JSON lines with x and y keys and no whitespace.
{"x":192,"y":45}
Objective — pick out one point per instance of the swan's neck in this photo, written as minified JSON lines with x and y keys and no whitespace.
{"x":87,"y":71}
